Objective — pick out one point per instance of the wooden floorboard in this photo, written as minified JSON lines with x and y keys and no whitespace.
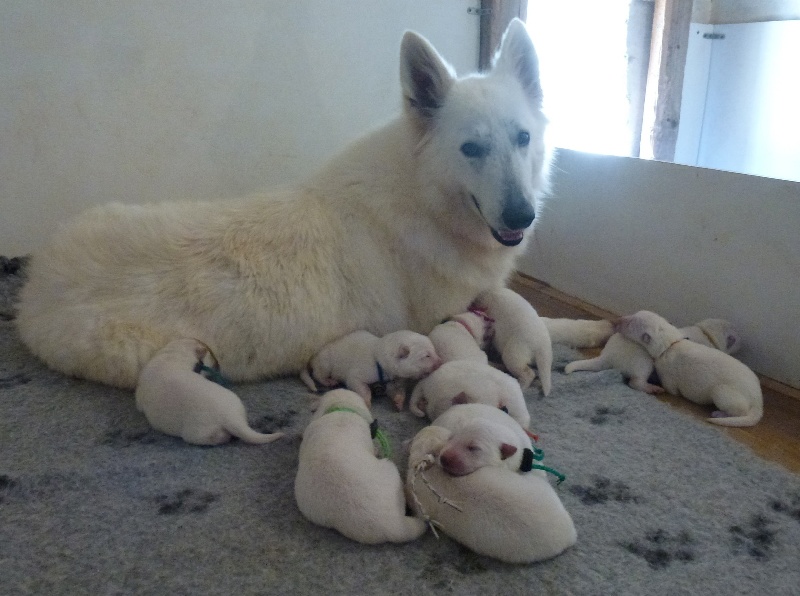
{"x":775,"y":438}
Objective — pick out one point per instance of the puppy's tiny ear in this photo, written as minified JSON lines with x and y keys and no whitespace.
{"x":507,"y":451}
{"x":461,"y":398}
{"x":730,"y":341}
{"x":646,"y":339}
{"x":403,"y":352}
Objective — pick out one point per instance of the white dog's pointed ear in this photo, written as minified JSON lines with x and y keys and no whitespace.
{"x":517,"y":57}
{"x":424,"y":75}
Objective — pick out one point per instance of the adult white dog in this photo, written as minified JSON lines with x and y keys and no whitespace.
{"x":404,"y":228}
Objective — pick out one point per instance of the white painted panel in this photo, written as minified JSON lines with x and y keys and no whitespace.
{"x":752,"y":122}
{"x":693,"y":96}
{"x":689,"y":243}
{"x":153,"y":100}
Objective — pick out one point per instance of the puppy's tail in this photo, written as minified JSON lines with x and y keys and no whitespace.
{"x":749,"y":419}
{"x":417,"y":400}
{"x":248,"y":435}
{"x":544,"y":365}
{"x":579,"y":333}
{"x":405,"y":529}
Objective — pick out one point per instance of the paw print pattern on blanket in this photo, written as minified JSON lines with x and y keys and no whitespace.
{"x":13,"y":380}
{"x":6,"y":484}
{"x":601,"y":415}
{"x":660,"y":549}
{"x":790,"y":507}
{"x":185,"y":501}
{"x":756,"y":538}
{"x":603,"y":490}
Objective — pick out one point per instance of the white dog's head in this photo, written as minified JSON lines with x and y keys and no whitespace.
{"x":481,"y":443}
{"x":481,"y":141}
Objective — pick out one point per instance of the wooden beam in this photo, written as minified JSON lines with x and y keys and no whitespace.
{"x":495,"y":17}
{"x":662,"y":103}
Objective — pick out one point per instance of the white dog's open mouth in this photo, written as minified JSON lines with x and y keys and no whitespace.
{"x":504,"y":237}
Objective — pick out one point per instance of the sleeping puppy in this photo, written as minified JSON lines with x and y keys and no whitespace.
{"x":466,"y":416}
{"x":462,"y":337}
{"x":481,"y":442}
{"x":361,"y":358}
{"x":714,"y":333}
{"x":699,"y":373}
{"x":178,"y":401}
{"x":466,"y":382}
{"x":510,"y":516}
{"x":520,"y":336}
{"x":341,"y":484}
{"x":636,"y":365}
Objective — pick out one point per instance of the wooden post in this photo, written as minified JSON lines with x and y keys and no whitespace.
{"x":495,"y":17}
{"x":662,"y":103}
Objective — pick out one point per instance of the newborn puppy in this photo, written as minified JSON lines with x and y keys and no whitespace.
{"x":701,"y":374}
{"x":461,"y":338}
{"x":465,"y":382}
{"x":627,"y":357}
{"x":178,"y":401}
{"x":513,"y":517}
{"x":520,"y":337}
{"x":636,"y":365}
{"x":480,"y":443}
{"x":466,"y":416}
{"x":715,"y":333}
{"x":361,"y":358}
{"x":341,"y":484}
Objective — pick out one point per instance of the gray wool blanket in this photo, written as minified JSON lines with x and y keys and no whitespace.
{"x":92,"y":501}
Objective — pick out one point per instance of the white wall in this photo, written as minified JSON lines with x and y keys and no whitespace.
{"x":152,"y":100}
{"x":628,"y":234}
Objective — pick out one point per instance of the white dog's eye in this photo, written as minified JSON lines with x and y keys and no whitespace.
{"x":523,"y":138}
{"x":470,"y":149}
{"x":473,"y":448}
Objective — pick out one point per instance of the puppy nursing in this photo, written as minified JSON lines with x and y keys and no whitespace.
{"x":520,"y":336}
{"x":636,"y":365}
{"x":511,"y":516}
{"x":699,"y":373}
{"x":466,"y":382}
{"x":360,"y":359}
{"x":180,"y":402}
{"x":341,"y":484}
{"x":461,"y":338}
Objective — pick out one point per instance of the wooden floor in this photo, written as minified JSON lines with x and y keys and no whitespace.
{"x":776,"y":437}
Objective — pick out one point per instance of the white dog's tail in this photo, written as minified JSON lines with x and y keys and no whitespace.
{"x":579,"y":333}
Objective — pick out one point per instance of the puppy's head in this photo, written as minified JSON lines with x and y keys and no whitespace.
{"x":723,"y":334}
{"x":408,"y":355}
{"x":342,"y":398}
{"x":478,"y":444}
{"x":651,"y":331}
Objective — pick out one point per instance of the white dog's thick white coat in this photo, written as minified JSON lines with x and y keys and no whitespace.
{"x":180,"y":402}
{"x":401,"y":230}
{"x":341,"y":484}
{"x":699,"y":373}
{"x":513,"y":517}
{"x":467,"y":382}
{"x":520,"y":336}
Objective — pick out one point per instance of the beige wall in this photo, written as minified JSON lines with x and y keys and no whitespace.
{"x":160,"y":99}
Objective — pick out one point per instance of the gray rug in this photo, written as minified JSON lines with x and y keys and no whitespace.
{"x":94,"y":502}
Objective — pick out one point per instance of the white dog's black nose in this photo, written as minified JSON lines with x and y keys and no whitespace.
{"x":518,"y":215}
